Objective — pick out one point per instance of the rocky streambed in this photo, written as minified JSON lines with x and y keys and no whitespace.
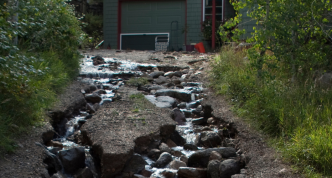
{"x":129,"y":119}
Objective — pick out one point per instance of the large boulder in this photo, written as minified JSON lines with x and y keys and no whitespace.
{"x":228,"y":168}
{"x":189,"y":172}
{"x":72,"y":159}
{"x":213,"y":169}
{"x":210,"y":139}
{"x":201,"y":158}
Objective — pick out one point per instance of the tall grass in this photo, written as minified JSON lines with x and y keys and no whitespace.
{"x":297,"y":114}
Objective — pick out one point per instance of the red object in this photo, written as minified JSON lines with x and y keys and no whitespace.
{"x":213,"y":24}
{"x":200,"y":47}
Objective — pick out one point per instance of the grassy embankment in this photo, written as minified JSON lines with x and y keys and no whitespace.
{"x":297,"y":116}
{"x":35,"y":70}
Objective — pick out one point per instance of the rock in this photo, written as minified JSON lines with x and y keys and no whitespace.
{"x":47,"y":136}
{"x":164,"y":173}
{"x":170,"y":143}
{"x":177,"y":138}
{"x":93,"y":98}
{"x":184,"y":159}
{"x":154,"y":154}
{"x":55,"y":150}
{"x":176,"y":164}
{"x":189,"y":172}
{"x":199,"y":121}
{"x":164,"y":159}
{"x":135,"y":165}
{"x":213,"y":169}
{"x":178,"y":116}
{"x":199,"y":108}
{"x":92,"y":88}
{"x":178,"y":74}
{"x":181,"y":94}
{"x":177,"y":153}
{"x":100,"y":92}
{"x":182,"y":105}
{"x":210,"y":120}
{"x":167,"y":130}
{"x":189,"y":146}
{"x":72,"y":159}
{"x":55,"y":144}
{"x":165,"y":102}
{"x":58,"y":175}
{"x":84,"y":173}
{"x":201,"y":157}
{"x":139,"y":176}
{"x":228,"y":168}
{"x":156,"y":74}
{"x":210,"y":139}
{"x":146,"y":173}
{"x":96,"y":106}
{"x":90,"y":108}
{"x":160,"y":80}
{"x":239,"y":176}
{"x":169,"y":74}
{"x":106,"y":101}
{"x":164,"y":148}
{"x":215,"y":156}
{"x":98,"y":60}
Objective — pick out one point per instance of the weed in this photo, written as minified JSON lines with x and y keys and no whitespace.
{"x":136,"y":82}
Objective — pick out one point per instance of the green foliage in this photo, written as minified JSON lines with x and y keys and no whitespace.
{"x":295,"y":32}
{"x":93,"y":26}
{"x":299,"y":116}
{"x":38,"y":67}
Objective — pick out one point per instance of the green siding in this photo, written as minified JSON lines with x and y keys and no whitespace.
{"x":247,"y":23}
{"x":194,"y":18}
{"x":110,"y":23}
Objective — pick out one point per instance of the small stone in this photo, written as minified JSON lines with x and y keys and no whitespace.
{"x":164,"y":148}
{"x":184,"y":159}
{"x":176,"y":164}
{"x":210,"y":120}
{"x":164,"y":159}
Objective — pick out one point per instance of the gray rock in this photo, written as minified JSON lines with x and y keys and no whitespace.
{"x":184,"y":159}
{"x":154,"y":154}
{"x":177,"y":138}
{"x":199,"y":121}
{"x":165,"y":102}
{"x":156,"y":74}
{"x":100,"y":91}
{"x":213,"y":169}
{"x":201,"y":157}
{"x":181,"y":94}
{"x":106,"y":101}
{"x":164,"y":159}
{"x":169,"y":74}
{"x":239,"y":176}
{"x":178,"y":74}
{"x":90,"y":108}
{"x":160,"y":80}
{"x":182,"y":105}
{"x":228,"y":168}
{"x":176,"y":164}
{"x":84,"y":173}
{"x":135,"y":165}
{"x":178,"y":116}
{"x":164,"y":173}
{"x":210,"y":139}
{"x":164,"y":148}
{"x":189,"y":172}
{"x":215,"y":156}
{"x":72,"y":159}
{"x":189,"y":146}
{"x":93,"y":98}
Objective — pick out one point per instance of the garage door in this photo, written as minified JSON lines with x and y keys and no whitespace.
{"x":152,"y":17}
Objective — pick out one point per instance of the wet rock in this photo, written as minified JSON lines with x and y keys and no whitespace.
{"x":98,"y":60}
{"x":135,"y":165}
{"x":72,"y":159}
{"x":180,"y":94}
{"x":189,"y":172}
{"x":201,"y":158}
{"x":100,"y":92}
{"x":210,"y":139}
{"x":139,"y":176}
{"x":84,"y":173}
{"x":106,"y":101}
{"x":169,"y":74}
{"x":96,"y":106}
{"x":164,"y":173}
{"x":184,"y":159}
{"x":177,"y":138}
{"x":178,"y":116}
{"x":47,"y":136}
{"x":55,"y":150}
{"x":58,"y":175}
{"x":164,"y":148}
{"x":211,"y":120}
{"x":189,"y":146}
{"x":164,"y":159}
{"x":178,"y":74}
{"x":170,"y":143}
{"x":213,"y":169}
{"x":93,"y":98}
{"x":167,"y":130}
{"x":177,"y":153}
{"x":199,"y":108}
{"x":154,"y":154}
{"x":90,"y":108}
{"x":228,"y":168}
{"x":147,"y":172}
{"x":199,"y":121}
{"x":239,"y":176}
{"x":160,"y":80}
{"x":215,"y":156}
{"x":92,"y":88}
{"x":182,"y":105}
{"x":156,"y":74}
{"x":176,"y":164}
{"x":55,"y":144}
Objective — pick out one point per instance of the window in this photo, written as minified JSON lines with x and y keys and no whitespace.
{"x":207,"y":10}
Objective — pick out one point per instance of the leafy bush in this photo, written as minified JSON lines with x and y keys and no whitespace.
{"x":299,"y":116}
{"x":33,"y":71}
